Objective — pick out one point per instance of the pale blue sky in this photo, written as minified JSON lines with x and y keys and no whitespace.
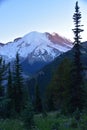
{"x":19,"y":17}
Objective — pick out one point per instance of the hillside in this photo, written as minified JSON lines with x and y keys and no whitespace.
{"x":45,"y":75}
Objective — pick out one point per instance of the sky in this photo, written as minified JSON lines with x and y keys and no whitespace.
{"x":19,"y":17}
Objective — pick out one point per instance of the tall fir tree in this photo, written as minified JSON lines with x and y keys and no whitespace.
{"x":3,"y":70}
{"x":9,"y":92}
{"x":18,"y":85}
{"x":3,"y":100}
{"x":77,"y":89}
{"x":9,"y":83}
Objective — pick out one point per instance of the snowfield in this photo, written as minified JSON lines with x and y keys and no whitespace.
{"x":36,"y":46}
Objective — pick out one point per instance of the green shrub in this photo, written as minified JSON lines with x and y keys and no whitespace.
{"x":77,"y":114}
{"x":4,"y":111}
{"x":55,"y":126}
{"x":74,"y":124}
{"x":28,"y":116}
{"x":58,"y":114}
{"x":44,"y":114}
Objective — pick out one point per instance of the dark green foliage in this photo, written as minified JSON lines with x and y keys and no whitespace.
{"x":28,"y":116}
{"x":50,"y":100}
{"x":38,"y":101}
{"x":12,"y":99}
{"x":9,"y":83}
{"x":9,"y":92}
{"x":4,"y":110}
{"x":44,"y":114}
{"x":77,"y":87}
{"x":58,"y":90}
{"x":55,"y":126}
{"x":83,"y":120}
{"x":3,"y":69}
{"x":3,"y":100}
{"x":18,"y":86}
{"x":77,"y":114}
{"x":74,"y":124}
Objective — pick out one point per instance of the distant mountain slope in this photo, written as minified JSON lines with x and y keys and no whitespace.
{"x":45,"y":75}
{"x":36,"y":49}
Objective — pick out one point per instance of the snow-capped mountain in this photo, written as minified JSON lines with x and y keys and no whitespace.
{"x":36,"y":47}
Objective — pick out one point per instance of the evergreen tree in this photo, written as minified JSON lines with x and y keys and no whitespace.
{"x":9,"y":83}
{"x":58,"y":90}
{"x":38,"y":101}
{"x":3,"y":100}
{"x":3,"y":70}
{"x":18,"y":86}
{"x":77,"y":89}
{"x":9,"y":93}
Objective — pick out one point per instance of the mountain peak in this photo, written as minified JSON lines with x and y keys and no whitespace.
{"x":36,"y":46}
{"x":34,"y":36}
